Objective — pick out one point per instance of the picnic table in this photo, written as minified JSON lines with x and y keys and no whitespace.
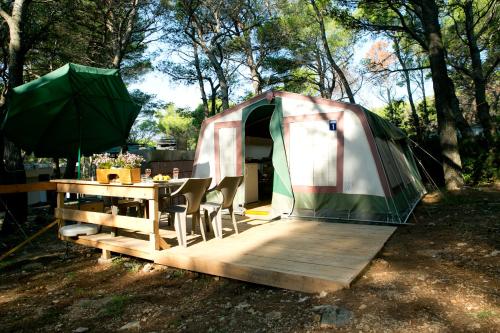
{"x":149,"y":192}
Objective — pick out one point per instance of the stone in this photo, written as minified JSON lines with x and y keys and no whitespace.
{"x":33,"y":267}
{"x":80,"y":330}
{"x":148,"y":268}
{"x":322,"y":294}
{"x":495,"y":253}
{"x":303,"y":299}
{"x":362,"y":306}
{"x":320,"y":308}
{"x":333,"y":316}
{"x":273,"y":315}
{"x":133,"y":325}
{"x":242,"y":305}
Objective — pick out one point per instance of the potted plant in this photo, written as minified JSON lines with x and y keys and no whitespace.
{"x":103,"y":163}
{"x":125,"y":168}
{"x":129,"y":168}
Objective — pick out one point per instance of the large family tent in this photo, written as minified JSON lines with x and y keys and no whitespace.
{"x":312,"y":157}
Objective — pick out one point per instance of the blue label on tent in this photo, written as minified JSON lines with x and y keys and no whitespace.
{"x":333,"y":125}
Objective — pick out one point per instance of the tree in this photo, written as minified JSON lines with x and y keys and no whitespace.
{"x":419,"y":21}
{"x":11,"y":163}
{"x":472,"y":19}
{"x":403,"y":58}
{"x":179,"y":124}
{"x":321,"y":21}
{"x":145,"y":127}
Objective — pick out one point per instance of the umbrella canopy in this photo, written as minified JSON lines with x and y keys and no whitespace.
{"x":74,"y":108}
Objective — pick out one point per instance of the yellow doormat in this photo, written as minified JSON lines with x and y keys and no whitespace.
{"x":256,"y":212}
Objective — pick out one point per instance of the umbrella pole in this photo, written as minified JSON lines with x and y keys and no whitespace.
{"x":79,"y":163}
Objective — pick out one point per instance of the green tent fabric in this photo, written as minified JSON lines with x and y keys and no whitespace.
{"x":382,"y":128}
{"x":74,"y":107}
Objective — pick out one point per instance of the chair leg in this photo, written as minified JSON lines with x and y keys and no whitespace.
{"x":206,"y":218}
{"x":216,"y":218}
{"x":171,"y":219}
{"x":200,"y":222}
{"x":233,"y":218}
{"x":180,"y":228}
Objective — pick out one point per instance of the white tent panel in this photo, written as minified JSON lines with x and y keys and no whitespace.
{"x":301,"y":155}
{"x":228,"y":152}
{"x":205,"y":164}
{"x":313,"y":154}
{"x":360,"y":171}
{"x":325,"y":154}
{"x":297,"y":107}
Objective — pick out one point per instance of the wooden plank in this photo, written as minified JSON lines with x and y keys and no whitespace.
{"x":305,"y":267}
{"x":124,"y":245}
{"x":60,"y":204}
{"x":108,"y":190}
{"x":250,"y":273}
{"x":30,"y":187}
{"x":154,"y":236}
{"x":116,"y":221}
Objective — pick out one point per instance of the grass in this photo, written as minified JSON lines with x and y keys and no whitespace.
{"x":116,"y":306}
{"x":485,"y":314}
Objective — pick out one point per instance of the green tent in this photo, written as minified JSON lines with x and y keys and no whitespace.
{"x":313,"y":158}
{"x":74,"y":109}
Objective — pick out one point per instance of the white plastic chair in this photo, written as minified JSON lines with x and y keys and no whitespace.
{"x":228,"y":187}
{"x":193,"y":191}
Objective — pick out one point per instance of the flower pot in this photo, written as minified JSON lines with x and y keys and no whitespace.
{"x":121,"y":175}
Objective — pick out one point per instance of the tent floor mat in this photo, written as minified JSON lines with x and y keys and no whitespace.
{"x":293,"y":254}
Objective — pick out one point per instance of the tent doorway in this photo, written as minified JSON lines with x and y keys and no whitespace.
{"x":259,"y":171}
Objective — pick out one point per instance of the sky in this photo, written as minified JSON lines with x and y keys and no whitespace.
{"x":188,"y":96}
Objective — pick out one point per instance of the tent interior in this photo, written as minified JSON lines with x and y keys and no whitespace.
{"x":258,"y":153}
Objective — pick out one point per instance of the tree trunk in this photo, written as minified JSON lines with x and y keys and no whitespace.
{"x":201,"y":82}
{"x":444,"y":95}
{"x":254,"y":71}
{"x":425,"y":110}
{"x":328,"y":53}
{"x":219,"y":71}
{"x":406,"y":75}
{"x":121,"y":31}
{"x":12,"y":170}
{"x":482,"y":107}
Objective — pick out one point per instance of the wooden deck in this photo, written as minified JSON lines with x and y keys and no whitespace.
{"x":299,"y":255}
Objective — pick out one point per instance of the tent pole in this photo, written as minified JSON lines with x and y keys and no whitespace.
{"x":79,"y":163}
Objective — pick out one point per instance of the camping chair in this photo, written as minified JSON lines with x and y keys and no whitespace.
{"x":193,"y":191}
{"x":213,"y":210}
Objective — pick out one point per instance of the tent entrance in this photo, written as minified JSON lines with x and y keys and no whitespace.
{"x":259,"y":171}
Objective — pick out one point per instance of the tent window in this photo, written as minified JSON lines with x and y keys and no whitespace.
{"x":313,"y":154}
{"x":394,"y":162}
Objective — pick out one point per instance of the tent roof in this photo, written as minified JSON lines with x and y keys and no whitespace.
{"x":383,"y":128}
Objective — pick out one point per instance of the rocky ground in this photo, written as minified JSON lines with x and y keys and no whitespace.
{"x":438,"y":274}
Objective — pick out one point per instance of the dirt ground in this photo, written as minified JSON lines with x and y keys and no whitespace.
{"x":441,"y":273}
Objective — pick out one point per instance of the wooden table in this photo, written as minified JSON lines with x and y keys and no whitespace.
{"x":145,"y":191}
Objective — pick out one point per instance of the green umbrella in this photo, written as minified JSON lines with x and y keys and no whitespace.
{"x":71,"y":111}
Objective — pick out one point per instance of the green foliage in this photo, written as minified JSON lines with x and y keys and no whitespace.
{"x":179,"y":124}
{"x":480,"y":165}
{"x":116,"y":306}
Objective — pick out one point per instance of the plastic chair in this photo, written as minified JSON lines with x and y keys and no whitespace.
{"x":213,"y":210}
{"x":193,"y":191}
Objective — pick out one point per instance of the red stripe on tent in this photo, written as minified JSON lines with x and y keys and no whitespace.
{"x":314,"y":189}
{"x":238,"y":152}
